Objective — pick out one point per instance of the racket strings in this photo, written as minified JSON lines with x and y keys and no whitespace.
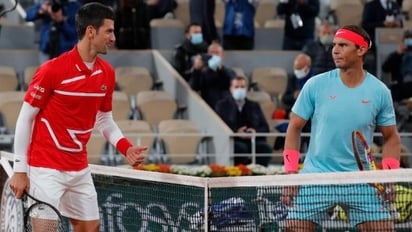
{"x":363,"y":153}
{"x":42,"y":217}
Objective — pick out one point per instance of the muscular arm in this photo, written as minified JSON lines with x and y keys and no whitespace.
{"x":292,"y":140}
{"x":392,"y":142}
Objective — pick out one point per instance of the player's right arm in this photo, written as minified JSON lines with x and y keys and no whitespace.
{"x":20,"y":182}
{"x":292,"y":143}
{"x":291,"y":155}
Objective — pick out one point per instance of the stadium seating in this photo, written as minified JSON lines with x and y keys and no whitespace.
{"x":266,"y":10}
{"x":181,"y":149}
{"x":272,"y":80}
{"x":131,"y":80}
{"x":166,"y":33}
{"x":347,"y":12}
{"x":121,"y":106}
{"x":28,"y":74}
{"x":8,"y":78}
{"x":155,"y":106}
{"x":10,"y":105}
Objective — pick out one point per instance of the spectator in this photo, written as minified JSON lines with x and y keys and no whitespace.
{"x":320,"y":50}
{"x":244,"y":116}
{"x":160,"y":8}
{"x":185,"y":52}
{"x":399,"y":65}
{"x":299,"y":22}
{"x":239,"y":24}
{"x":133,"y":18}
{"x":303,"y":70}
{"x":380,"y":13}
{"x":132,"y":25}
{"x":57,"y":29}
{"x":202,"y":12}
{"x":210,"y":77}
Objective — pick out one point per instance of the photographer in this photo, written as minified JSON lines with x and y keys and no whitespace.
{"x":210,"y":77}
{"x":399,"y":65}
{"x":57,"y":28}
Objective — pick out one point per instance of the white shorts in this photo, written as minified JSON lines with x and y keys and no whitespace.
{"x":72,"y":193}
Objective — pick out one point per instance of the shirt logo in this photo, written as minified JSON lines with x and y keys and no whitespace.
{"x":103,"y":87}
{"x":332,"y":97}
{"x":365,"y":101}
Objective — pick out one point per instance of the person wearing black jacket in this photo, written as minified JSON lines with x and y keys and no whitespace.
{"x":210,"y":77}
{"x":320,"y":50}
{"x":299,"y":22}
{"x":399,"y":65}
{"x":245,"y":116}
{"x":185,"y":52}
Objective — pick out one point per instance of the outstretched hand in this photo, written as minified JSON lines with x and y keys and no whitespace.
{"x":135,"y":155}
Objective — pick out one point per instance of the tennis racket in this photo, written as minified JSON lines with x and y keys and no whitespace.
{"x":41,"y":216}
{"x":366,"y":161}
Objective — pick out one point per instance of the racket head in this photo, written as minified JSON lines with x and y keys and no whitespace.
{"x":42,"y":216}
{"x":362,"y":152}
{"x":11,"y":210}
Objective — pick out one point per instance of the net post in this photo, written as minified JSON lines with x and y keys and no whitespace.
{"x":253,"y":141}
{"x":206,"y":206}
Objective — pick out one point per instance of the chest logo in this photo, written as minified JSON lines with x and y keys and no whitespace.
{"x":365,"y":101}
{"x":103,"y":87}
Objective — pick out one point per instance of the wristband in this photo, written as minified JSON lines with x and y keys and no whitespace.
{"x":291,"y":160}
{"x":390,"y":163}
{"x":122,"y":145}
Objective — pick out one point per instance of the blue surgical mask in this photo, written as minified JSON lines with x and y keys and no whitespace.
{"x":196,"y":38}
{"x":408,"y":42}
{"x":214,"y":62}
{"x":239,"y":94}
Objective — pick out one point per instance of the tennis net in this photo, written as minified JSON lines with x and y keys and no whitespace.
{"x":134,"y":200}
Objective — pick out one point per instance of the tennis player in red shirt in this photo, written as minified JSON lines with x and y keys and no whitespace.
{"x":68,"y":97}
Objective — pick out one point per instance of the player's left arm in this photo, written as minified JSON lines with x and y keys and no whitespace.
{"x":109,"y":129}
{"x":391,"y":147}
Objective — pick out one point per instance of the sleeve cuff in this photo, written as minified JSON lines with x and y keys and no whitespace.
{"x":123,"y":145}
{"x":20,"y":163}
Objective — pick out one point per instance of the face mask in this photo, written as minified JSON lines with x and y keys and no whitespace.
{"x":196,"y":38}
{"x":239,"y":94}
{"x":300,"y":73}
{"x":408,"y":42}
{"x":326,"y":39}
{"x":214,"y":62}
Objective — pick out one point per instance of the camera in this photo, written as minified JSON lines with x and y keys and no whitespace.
{"x":205,"y":58}
{"x":57,"y":5}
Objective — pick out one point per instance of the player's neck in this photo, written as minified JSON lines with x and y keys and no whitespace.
{"x":352,"y":77}
{"x":86,"y":52}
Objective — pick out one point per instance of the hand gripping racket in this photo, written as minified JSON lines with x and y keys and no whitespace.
{"x":28,"y":214}
{"x":41,"y":216}
{"x":366,"y":161}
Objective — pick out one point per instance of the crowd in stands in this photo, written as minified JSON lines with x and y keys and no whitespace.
{"x":199,"y":58}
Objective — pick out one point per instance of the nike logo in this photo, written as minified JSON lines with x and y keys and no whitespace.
{"x":332,"y":97}
{"x":339,"y":32}
{"x":287,"y":157}
{"x":365,"y":101}
{"x":17,"y":160}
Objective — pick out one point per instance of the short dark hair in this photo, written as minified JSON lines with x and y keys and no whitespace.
{"x":190,"y":25}
{"x":239,"y":78}
{"x":360,"y":31}
{"x":92,"y":14}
